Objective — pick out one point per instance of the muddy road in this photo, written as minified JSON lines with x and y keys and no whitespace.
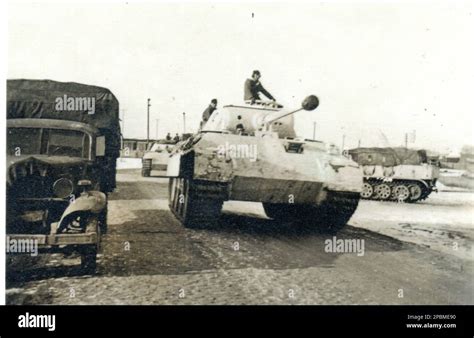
{"x":413,"y":254}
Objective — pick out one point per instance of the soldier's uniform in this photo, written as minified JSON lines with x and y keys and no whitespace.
{"x":252,"y":88}
{"x":207,"y":113}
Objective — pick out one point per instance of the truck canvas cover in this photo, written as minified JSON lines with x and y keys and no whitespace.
{"x":39,"y":99}
{"x":388,"y":157}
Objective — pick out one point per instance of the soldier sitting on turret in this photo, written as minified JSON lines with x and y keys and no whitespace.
{"x":253,"y":86}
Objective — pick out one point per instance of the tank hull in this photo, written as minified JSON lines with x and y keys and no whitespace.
{"x":260,"y":169}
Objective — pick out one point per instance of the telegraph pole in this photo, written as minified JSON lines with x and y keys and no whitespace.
{"x":148,"y":123}
{"x":406,"y":140}
{"x":314,"y":130}
{"x":123,"y":126}
{"x":157,"y":128}
{"x":343,"y":141}
{"x":184,"y":123}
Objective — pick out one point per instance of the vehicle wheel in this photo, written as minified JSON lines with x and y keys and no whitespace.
{"x":103,"y":221}
{"x":416,"y":192}
{"x":89,"y":260}
{"x":382,"y":191}
{"x":367,"y":190}
{"x":89,"y":252}
{"x":400,"y":193}
{"x":193,"y":210}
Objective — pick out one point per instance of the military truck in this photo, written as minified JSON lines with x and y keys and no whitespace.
{"x":61,"y":164}
{"x":396,"y":174}
{"x":250,"y":152}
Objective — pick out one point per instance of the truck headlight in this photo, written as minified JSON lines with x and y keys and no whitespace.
{"x":63,"y":187}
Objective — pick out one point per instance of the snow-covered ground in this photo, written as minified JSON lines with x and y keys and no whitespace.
{"x":129,"y":163}
{"x":443,"y":222}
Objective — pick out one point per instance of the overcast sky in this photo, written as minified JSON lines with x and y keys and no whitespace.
{"x":378,"y":68}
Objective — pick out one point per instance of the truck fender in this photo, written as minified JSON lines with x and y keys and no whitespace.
{"x":93,"y":202}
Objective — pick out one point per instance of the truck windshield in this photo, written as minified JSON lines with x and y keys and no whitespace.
{"x":51,"y":142}
{"x":23,"y":141}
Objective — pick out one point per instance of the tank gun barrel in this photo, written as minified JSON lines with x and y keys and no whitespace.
{"x":310,"y":103}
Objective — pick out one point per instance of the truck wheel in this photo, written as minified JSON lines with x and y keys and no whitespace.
{"x":89,"y":260}
{"x":103,"y":221}
{"x":192,"y":209}
{"x":89,"y":252}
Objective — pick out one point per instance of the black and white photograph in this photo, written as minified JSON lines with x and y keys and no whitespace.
{"x":240,"y":153}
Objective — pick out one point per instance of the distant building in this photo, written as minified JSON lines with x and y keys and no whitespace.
{"x":134,"y":147}
{"x":462,"y":161}
{"x":466,"y":160}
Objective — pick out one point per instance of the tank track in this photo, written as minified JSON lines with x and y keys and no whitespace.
{"x":330,"y":216}
{"x":339,"y":206}
{"x":399,"y":191}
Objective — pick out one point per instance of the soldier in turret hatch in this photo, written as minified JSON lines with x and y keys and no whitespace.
{"x":208,"y":112}
{"x":253,"y":87}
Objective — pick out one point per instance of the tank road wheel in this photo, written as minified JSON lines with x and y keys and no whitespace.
{"x":400,"y":193}
{"x":416,"y":192}
{"x":329,"y":217}
{"x":193,"y":210}
{"x":367,"y":190}
{"x":382,"y":191}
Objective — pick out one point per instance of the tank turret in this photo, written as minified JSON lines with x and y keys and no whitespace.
{"x":258,"y":116}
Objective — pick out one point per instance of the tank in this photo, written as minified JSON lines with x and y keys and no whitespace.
{"x":250,"y":152}
{"x":396,"y":174}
